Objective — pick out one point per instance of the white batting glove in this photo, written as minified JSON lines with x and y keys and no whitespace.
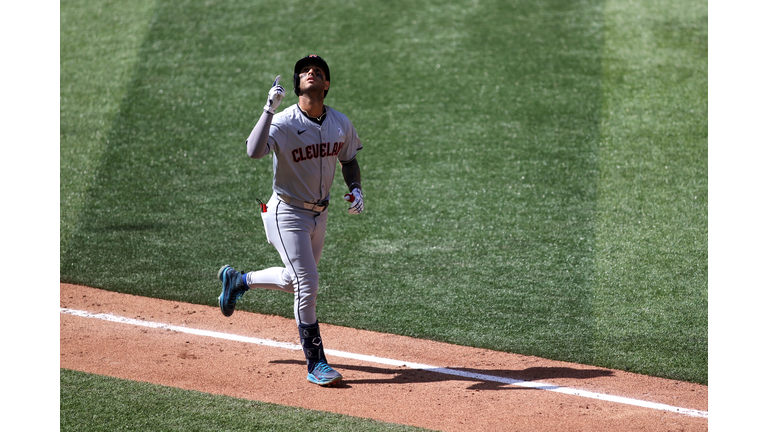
{"x":276,"y":95}
{"x":356,"y":200}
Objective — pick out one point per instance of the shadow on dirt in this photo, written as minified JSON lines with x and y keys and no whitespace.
{"x":482,"y":379}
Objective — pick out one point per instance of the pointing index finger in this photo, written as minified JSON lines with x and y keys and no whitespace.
{"x":277,"y":81}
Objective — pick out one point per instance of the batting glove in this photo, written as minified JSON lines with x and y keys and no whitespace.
{"x":356,"y":200}
{"x":276,"y":95}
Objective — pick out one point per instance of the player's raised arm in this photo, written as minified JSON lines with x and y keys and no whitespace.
{"x":256,"y":144}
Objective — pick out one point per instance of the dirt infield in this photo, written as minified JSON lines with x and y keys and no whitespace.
{"x":395,"y":394}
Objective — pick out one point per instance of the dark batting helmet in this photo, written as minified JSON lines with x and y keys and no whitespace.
{"x":310,"y":59}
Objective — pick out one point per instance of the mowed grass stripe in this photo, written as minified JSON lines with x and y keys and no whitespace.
{"x":651,"y":269}
{"x":100,"y":43}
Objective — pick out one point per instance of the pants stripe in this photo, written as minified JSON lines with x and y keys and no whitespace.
{"x":297,"y":285}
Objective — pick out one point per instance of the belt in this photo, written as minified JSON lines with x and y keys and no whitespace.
{"x":318,"y":207}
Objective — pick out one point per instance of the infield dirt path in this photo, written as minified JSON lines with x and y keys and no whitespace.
{"x":387,"y":393}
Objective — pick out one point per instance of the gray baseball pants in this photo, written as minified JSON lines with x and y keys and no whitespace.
{"x":298,"y":235}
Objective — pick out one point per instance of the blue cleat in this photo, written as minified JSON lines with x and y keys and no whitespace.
{"x":232,"y":288}
{"x":323,"y":375}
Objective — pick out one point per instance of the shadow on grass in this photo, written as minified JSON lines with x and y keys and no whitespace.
{"x":404,"y":375}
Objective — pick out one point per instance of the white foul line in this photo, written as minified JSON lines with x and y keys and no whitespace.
{"x":539,"y":385}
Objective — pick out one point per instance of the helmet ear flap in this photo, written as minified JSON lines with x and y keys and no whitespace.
{"x":296,"y":83}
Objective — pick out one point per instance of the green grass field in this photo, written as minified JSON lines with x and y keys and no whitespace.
{"x":535,"y":172}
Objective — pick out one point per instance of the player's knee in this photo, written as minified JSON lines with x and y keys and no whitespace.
{"x":288,"y":277}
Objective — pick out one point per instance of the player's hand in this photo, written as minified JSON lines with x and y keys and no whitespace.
{"x":356,"y":200}
{"x":276,"y":95}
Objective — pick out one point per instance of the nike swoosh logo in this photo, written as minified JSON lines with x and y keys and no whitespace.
{"x":302,"y":131}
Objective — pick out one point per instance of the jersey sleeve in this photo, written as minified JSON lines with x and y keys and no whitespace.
{"x":277,"y":135}
{"x":352,"y":144}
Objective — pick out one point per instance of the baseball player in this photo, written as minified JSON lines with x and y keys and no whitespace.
{"x":306,"y":140}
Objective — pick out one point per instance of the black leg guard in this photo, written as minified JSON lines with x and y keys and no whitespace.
{"x":312,"y":344}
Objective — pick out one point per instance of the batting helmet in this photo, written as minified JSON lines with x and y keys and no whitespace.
{"x":310,"y":59}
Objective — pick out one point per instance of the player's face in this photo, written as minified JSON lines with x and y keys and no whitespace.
{"x":312,"y":77}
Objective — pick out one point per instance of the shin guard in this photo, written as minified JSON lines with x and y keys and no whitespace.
{"x":312,"y":344}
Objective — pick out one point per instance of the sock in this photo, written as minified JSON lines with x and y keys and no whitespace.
{"x":245,"y":280}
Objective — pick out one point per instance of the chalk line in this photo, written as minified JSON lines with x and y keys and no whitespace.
{"x":538,"y":385}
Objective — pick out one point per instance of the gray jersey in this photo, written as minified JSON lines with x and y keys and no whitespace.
{"x":305,"y":153}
